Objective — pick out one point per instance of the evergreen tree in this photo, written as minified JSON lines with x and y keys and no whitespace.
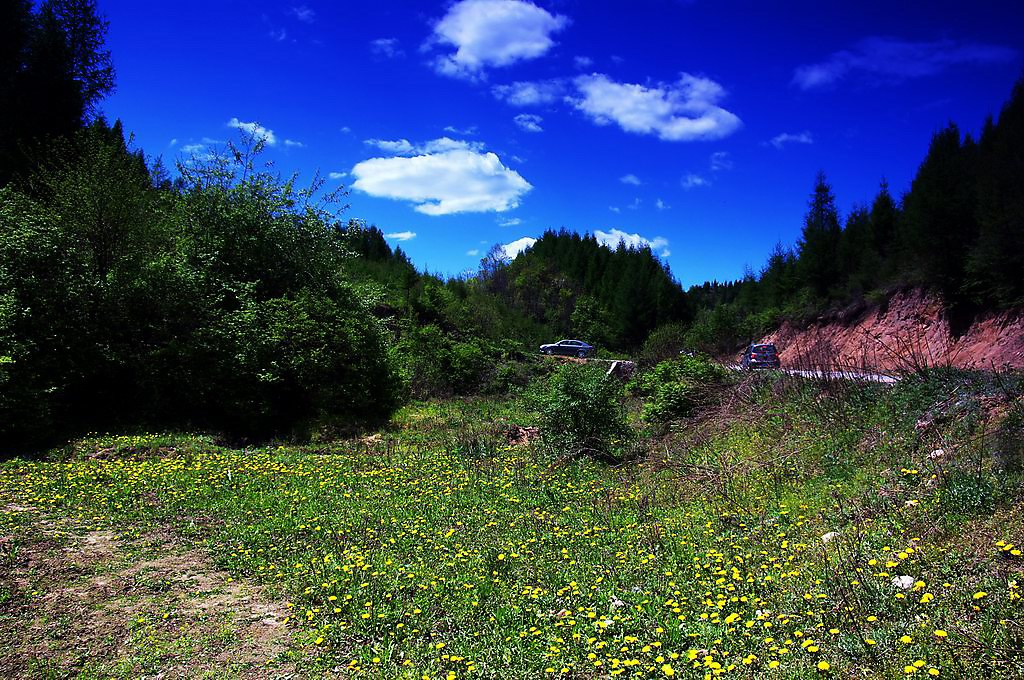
{"x":53,"y":65}
{"x":819,"y":242}
{"x":996,"y":263}
{"x":938,"y":224}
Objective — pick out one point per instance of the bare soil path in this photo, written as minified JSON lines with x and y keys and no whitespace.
{"x":92,"y":603}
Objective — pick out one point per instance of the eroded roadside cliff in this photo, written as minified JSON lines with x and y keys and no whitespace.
{"x":911,"y":330}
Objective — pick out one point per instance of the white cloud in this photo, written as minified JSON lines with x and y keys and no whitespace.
{"x":493,"y":33}
{"x":400,"y":235}
{"x":473,"y":253}
{"x":303,"y":13}
{"x":683,"y":111}
{"x":890,"y":60}
{"x":337,"y":175}
{"x":387,"y":48}
{"x":781,"y":140}
{"x":403,"y":147}
{"x":345,"y":130}
{"x":583,"y":63}
{"x":612,"y":238}
{"x":529,"y":122}
{"x":294,"y":144}
{"x":530,"y":93}
{"x":511,"y":250}
{"x":445,"y":176}
{"x":661,"y":205}
{"x":278,"y":34}
{"x":192,"y":148}
{"x":614,"y":209}
{"x":398,"y":147}
{"x":720,"y":160}
{"x":254,"y":129}
{"x":173,"y":142}
{"x":692,"y":181}
{"x":630,"y":179}
{"x":509,"y":222}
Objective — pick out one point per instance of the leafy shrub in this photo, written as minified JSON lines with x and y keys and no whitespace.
{"x":437,"y":364}
{"x":581,"y":412}
{"x":675,"y":388}
{"x":664,"y":342}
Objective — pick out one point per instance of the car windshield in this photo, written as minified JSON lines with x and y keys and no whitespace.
{"x":763,"y":349}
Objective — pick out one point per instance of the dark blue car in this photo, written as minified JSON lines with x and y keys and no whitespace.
{"x":760,"y":356}
{"x":571,"y":348}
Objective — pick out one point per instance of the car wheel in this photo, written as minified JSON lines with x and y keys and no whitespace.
{"x":582,"y":354}
{"x":546,"y":351}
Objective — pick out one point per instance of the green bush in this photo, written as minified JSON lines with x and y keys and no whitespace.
{"x":676,"y":388}
{"x":581,"y":413}
{"x":664,"y":342}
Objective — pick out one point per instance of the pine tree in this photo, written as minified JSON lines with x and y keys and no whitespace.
{"x":996,"y":263}
{"x":819,"y":242}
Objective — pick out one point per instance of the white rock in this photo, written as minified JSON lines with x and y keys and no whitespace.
{"x":903,"y":582}
{"x":937,"y":454}
{"x":830,"y":536}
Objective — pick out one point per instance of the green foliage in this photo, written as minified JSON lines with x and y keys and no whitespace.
{"x":677,"y":387}
{"x":575,"y":286}
{"x":664,"y":342}
{"x":223,"y":303}
{"x":967,"y":492}
{"x":581,"y":413}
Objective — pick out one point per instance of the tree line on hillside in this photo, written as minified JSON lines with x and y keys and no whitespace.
{"x":958,"y":230}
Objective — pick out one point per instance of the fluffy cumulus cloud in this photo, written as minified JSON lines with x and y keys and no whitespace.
{"x":401,"y":235}
{"x":487,"y":33}
{"x":612,"y":239}
{"x":529,"y":122}
{"x":530,"y":93}
{"x":889,"y":60}
{"x":254,"y":129}
{"x":683,"y":111}
{"x":441,"y":177}
{"x":631,"y":179}
{"x":337,"y":175}
{"x":781,"y":140}
{"x":511,"y":250}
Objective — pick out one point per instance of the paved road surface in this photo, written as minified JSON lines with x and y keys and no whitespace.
{"x":859,"y":376}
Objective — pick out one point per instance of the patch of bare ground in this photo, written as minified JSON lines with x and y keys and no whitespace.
{"x":93,"y":604}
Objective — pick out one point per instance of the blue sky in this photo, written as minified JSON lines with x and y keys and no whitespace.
{"x":697,"y":127}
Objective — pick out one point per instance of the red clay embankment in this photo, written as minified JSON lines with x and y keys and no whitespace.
{"x":911,"y":331}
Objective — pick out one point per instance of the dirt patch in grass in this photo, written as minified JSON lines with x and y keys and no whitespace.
{"x":91,"y":603}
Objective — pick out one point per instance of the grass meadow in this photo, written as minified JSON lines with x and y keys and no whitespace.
{"x":790,"y":529}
